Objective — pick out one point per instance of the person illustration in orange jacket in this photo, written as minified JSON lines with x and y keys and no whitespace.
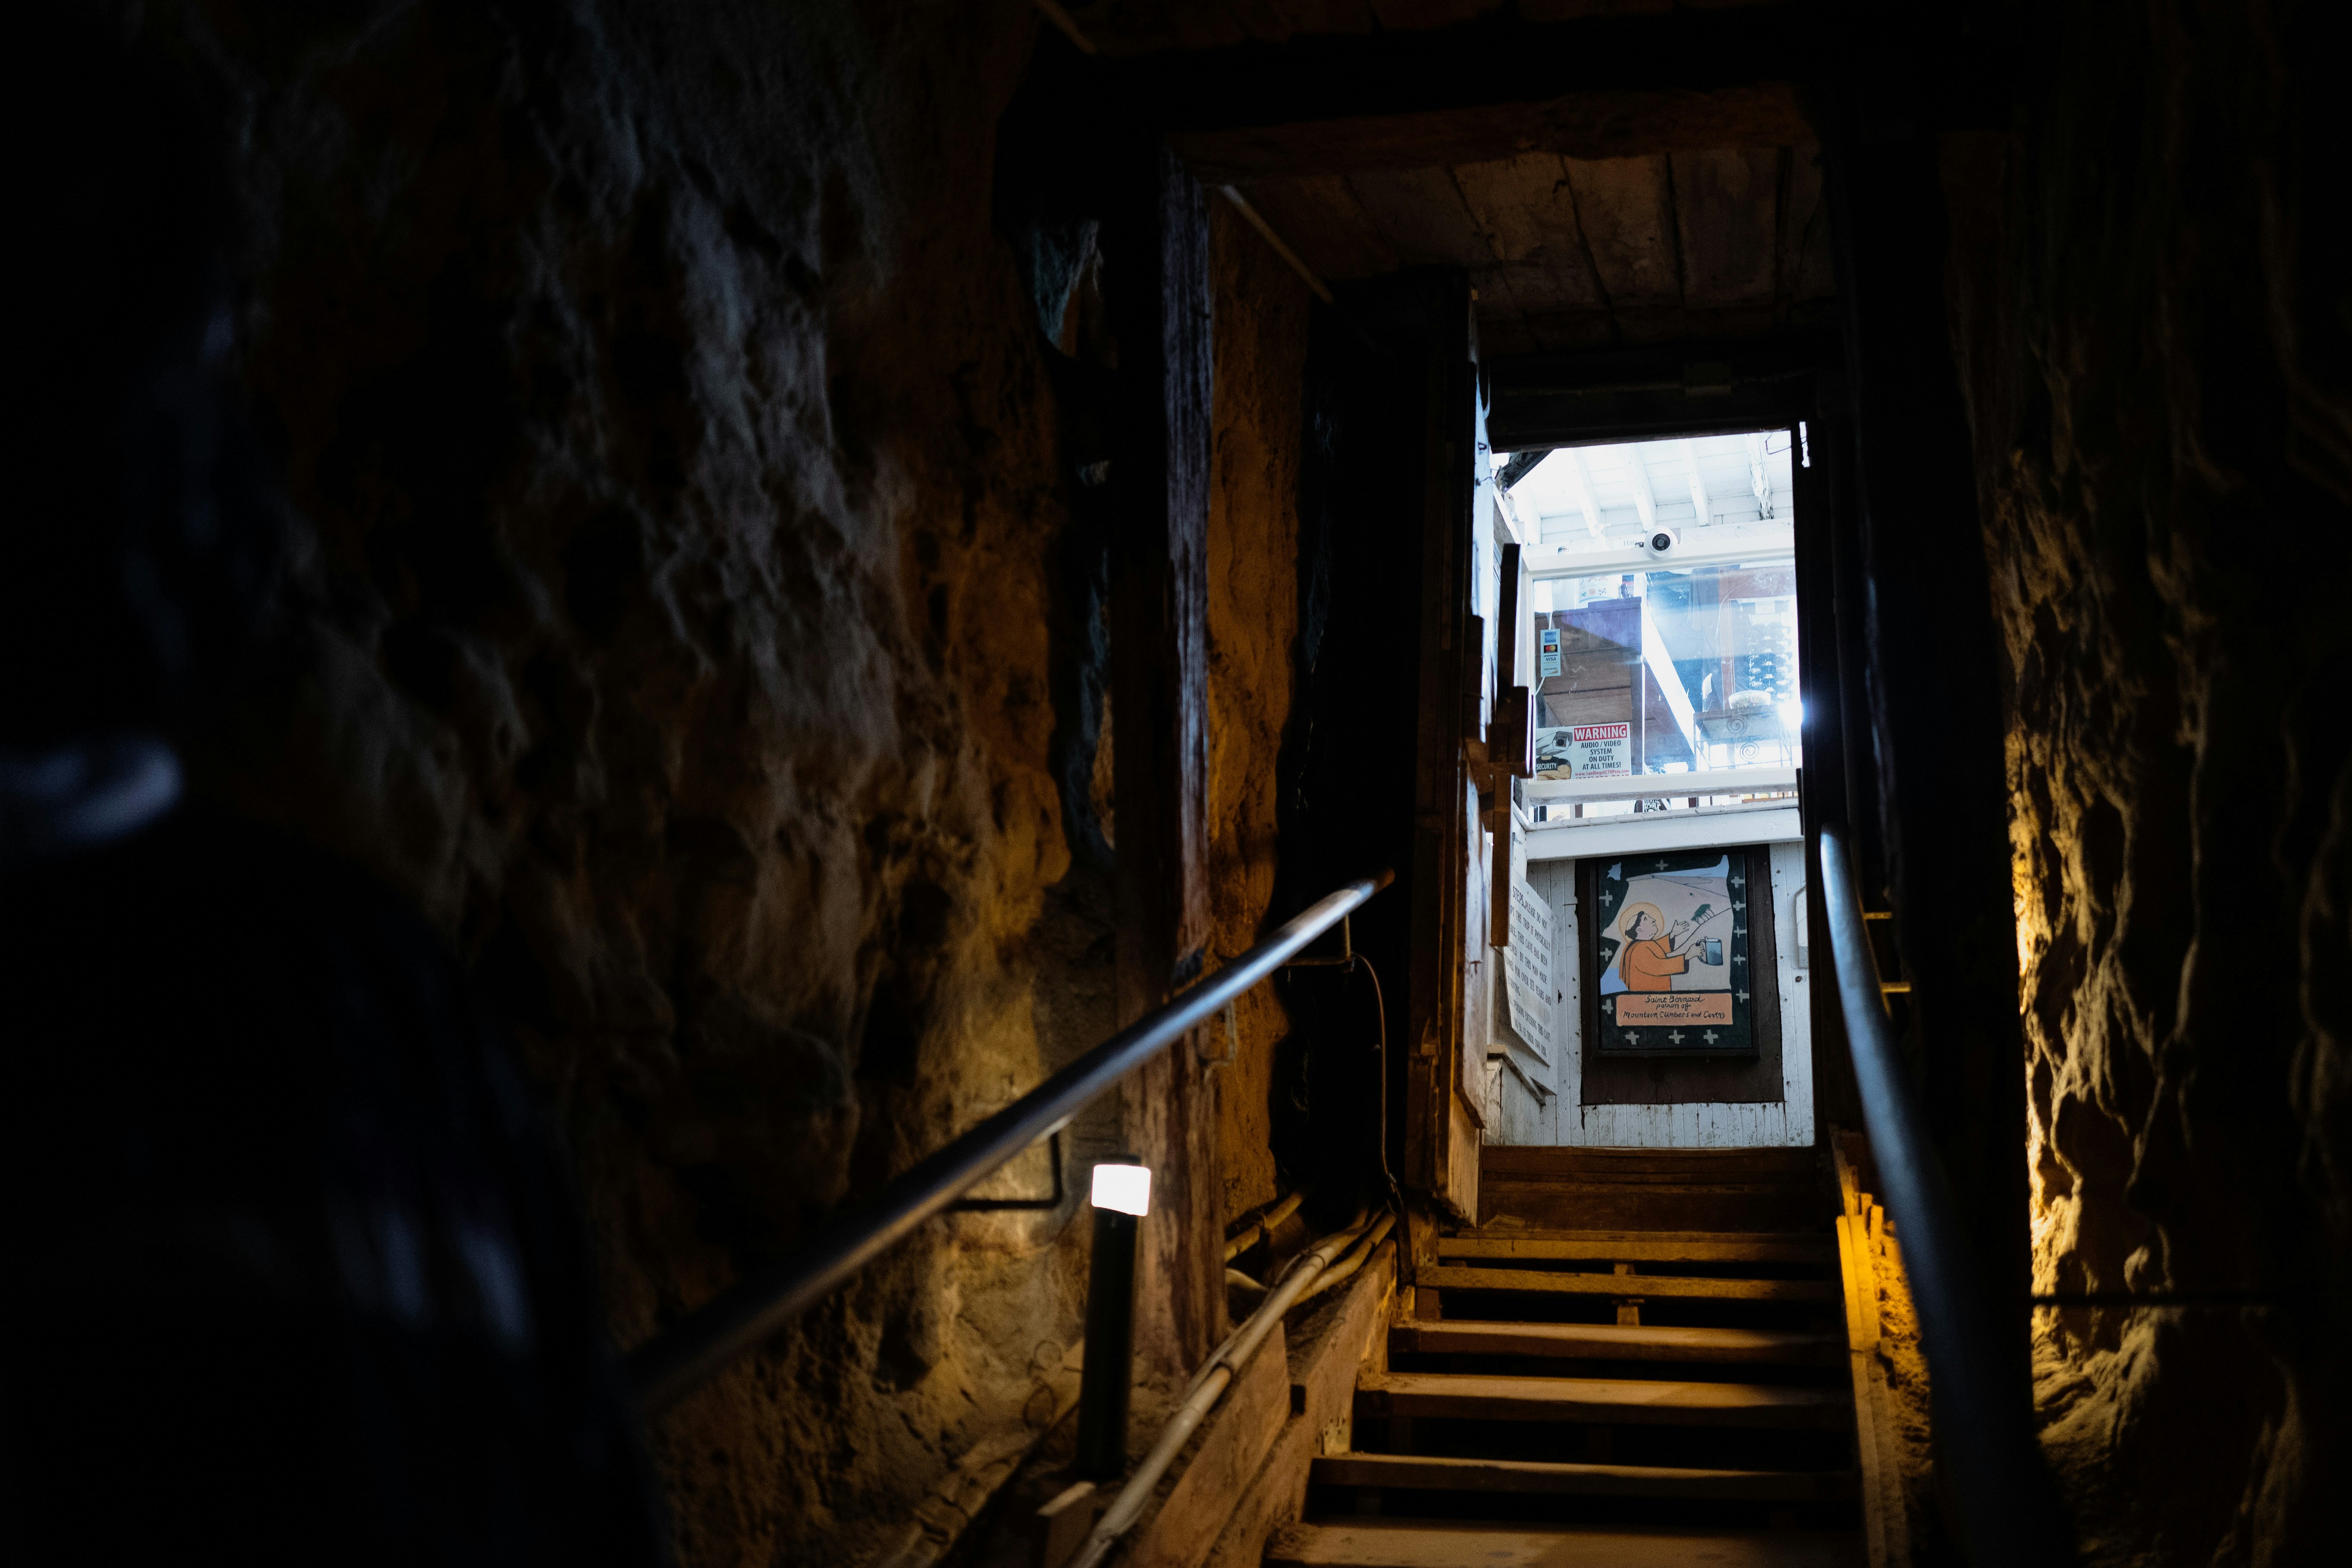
{"x":1650,"y":962}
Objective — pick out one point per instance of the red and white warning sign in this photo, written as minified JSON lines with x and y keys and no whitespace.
{"x":1601,"y":751}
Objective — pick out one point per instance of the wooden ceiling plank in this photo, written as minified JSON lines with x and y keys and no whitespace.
{"x":1592,"y":125}
{"x":1502,"y":332}
{"x":1726,"y":211}
{"x":1400,"y":14}
{"x":1807,"y":272}
{"x":1729,"y":321}
{"x":1492,"y":58}
{"x":1524,"y":207}
{"x":1260,"y":19}
{"x":1650,"y":323}
{"x":1311,"y":16}
{"x":1421,"y":213}
{"x":1318,"y":217}
{"x":1563,"y":331}
{"x":1628,"y":219}
{"x":1578,"y":10}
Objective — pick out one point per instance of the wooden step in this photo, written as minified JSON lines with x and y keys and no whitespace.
{"x":1440,"y":1395}
{"x":1611,"y":1341}
{"x":1651,"y":1286}
{"x":1675,"y":1205}
{"x":1416,"y":1544}
{"x":1508,"y":1162}
{"x":1422,"y":1473}
{"x":1644,"y":1246}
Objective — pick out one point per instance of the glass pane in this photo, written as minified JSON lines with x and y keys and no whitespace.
{"x":1667,"y":671}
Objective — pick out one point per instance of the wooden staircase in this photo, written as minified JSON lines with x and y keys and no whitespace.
{"x":1638,"y":1359}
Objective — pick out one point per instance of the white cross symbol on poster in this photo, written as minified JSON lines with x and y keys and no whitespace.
{"x":1676,"y":1036}
{"x":1710,"y":1037}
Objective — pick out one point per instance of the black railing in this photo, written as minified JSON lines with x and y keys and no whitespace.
{"x":1984,"y":1435}
{"x":679,"y":1358}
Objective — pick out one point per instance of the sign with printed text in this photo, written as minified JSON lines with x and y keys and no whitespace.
{"x":1669,"y":951}
{"x":1674,"y":1007}
{"x":1548,"y":653}
{"x":1601,"y":752}
{"x":1527,"y":962}
{"x":1527,"y":968}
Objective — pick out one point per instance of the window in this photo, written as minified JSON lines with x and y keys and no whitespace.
{"x":1662,"y":616}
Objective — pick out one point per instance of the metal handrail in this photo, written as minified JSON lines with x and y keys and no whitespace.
{"x":678,"y":1359}
{"x":2003,"y":1495}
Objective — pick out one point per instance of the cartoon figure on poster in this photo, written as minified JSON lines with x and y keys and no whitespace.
{"x":1672,"y":932}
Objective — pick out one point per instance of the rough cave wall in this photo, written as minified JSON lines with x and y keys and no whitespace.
{"x":2154,"y":326}
{"x":1261,"y":359}
{"x":673,"y":463}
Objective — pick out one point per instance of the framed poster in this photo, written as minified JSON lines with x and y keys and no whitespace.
{"x":1674,"y":964}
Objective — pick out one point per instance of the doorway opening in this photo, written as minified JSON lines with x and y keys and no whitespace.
{"x":1656,"y":993}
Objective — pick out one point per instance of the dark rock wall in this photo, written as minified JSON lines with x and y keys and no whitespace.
{"x":671,"y":441}
{"x":2151,"y":311}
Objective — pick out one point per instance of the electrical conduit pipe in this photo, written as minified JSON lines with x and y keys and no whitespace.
{"x":1208,"y":1387}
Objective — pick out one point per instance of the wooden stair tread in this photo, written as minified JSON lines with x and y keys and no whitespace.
{"x":1636,"y":1248}
{"x":1419,"y":1543}
{"x":1662,"y":1186}
{"x":1429,"y":1473}
{"x":1541,"y":1233}
{"x":1614,"y":1342}
{"x":1682,"y":1205}
{"x":1645,"y":1285}
{"x":1612,"y":1400}
{"x":1527,"y":1162}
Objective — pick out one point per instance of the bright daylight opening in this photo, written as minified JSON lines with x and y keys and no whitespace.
{"x":1662,"y":616}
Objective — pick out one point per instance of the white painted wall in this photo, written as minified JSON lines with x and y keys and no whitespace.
{"x":1517,"y":1113}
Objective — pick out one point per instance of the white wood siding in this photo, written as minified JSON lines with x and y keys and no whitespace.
{"x":1515,"y":1117}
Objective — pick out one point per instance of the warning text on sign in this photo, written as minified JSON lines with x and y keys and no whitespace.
{"x":1601,"y":751}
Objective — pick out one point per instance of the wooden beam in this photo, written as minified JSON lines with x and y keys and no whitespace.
{"x":1688,"y":388}
{"x":1448,"y":915}
{"x":1645,"y":499}
{"x":1614,"y":124}
{"x":1587,"y":501}
{"x":1155,"y":245}
{"x":1823,"y":755}
{"x":1482,"y":88}
{"x":1702,"y":504}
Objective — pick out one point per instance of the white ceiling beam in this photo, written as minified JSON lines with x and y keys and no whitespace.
{"x":1759,"y":477}
{"x":1584,"y":497}
{"x":1645,"y":501}
{"x":1699,"y":508}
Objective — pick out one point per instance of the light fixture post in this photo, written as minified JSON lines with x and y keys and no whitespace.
{"x":1122,"y":1197}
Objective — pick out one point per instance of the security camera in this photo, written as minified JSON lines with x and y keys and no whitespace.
{"x":1662,"y":541}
